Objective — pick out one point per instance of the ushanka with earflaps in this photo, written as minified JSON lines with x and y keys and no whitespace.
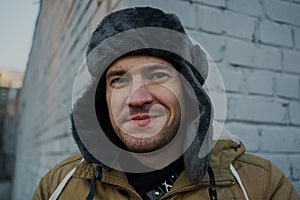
{"x":136,"y":24}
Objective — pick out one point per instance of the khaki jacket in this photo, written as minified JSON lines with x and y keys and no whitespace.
{"x":260,"y":178}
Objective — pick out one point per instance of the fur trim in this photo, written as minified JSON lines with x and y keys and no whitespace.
{"x":131,"y":18}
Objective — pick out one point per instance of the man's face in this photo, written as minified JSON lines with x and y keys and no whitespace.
{"x":143,"y":95}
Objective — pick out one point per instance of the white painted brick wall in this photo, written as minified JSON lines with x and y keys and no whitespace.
{"x":288,"y":86}
{"x":295,"y":167}
{"x":256,"y":45}
{"x":217,"y":21}
{"x":294,"y":110}
{"x":209,"y":19}
{"x":252,"y":7}
{"x":238,"y":25}
{"x":280,"y":11}
{"x":261,"y":82}
{"x":291,"y":61}
{"x":274,"y":33}
{"x":283,"y":139}
{"x":248,"y":134}
{"x":231,"y":77}
{"x":253,"y":55}
{"x":297,"y":37}
{"x":218,"y":3}
{"x":187,"y":15}
{"x":254,"y":109}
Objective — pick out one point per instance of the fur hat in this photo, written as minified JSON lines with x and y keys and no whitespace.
{"x":140,"y":17}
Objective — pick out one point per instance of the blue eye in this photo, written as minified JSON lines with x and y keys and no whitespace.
{"x":158,"y":77}
{"x":119,"y":82}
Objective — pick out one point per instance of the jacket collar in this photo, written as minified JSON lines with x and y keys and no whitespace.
{"x":224,"y":153}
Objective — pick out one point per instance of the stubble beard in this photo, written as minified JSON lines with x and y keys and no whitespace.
{"x":149,"y":144}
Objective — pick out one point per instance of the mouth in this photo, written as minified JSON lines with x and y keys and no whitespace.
{"x":142,"y":119}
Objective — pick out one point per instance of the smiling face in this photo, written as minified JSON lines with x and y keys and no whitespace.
{"x":143,"y":95}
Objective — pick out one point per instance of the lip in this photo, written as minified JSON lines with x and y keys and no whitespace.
{"x":139,"y":116}
{"x":142,"y":119}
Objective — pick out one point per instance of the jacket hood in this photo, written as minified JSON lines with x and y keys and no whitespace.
{"x":146,"y":31}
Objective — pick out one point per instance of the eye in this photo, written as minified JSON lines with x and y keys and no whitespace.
{"x":158,"y":77}
{"x":119,"y":82}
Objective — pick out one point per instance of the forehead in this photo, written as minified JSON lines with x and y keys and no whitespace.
{"x":129,"y":62}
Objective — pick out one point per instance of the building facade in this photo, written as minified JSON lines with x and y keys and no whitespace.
{"x":10,"y":87}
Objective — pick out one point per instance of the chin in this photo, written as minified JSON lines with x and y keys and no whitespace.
{"x":143,"y":145}
{"x":147,"y":144}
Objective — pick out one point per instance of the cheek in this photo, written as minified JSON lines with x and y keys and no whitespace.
{"x":170,"y":97}
{"x":175,"y":102}
{"x":112,"y":109}
{"x":115,"y":100}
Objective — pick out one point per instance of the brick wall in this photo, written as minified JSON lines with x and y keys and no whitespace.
{"x":256,"y":45}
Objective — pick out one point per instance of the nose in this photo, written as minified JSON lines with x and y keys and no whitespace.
{"x":139,"y":97}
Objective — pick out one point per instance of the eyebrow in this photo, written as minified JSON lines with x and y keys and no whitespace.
{"x":115,"y":73}
{"x":149,"y":68}
{"x":158,"y":67}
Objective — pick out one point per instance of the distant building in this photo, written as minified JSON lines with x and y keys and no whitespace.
{"x":10,"y":87}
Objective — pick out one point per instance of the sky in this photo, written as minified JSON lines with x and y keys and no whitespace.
{"x":17,"y":22}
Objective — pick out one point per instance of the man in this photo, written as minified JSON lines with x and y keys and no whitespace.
{"x":144,"y":124}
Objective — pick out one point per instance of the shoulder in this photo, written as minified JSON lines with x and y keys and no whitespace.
{"x":250,"y":160}
{"x":54,"y":176}
{"x":69,"y":162}
{"x":263,"y":179}
{"x":59,"y":171}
